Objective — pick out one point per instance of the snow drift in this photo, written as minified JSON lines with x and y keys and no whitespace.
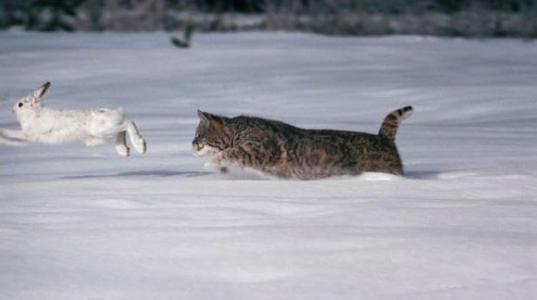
{"x":80,"y":222}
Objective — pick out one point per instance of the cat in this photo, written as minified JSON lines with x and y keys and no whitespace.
{"x":282,"y":150}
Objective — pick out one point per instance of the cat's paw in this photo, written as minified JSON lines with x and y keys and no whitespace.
{"x":223,"y":170}
{"x":217,"y":161}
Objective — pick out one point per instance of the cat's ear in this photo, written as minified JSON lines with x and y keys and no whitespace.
{"x":219,"y":124}
{"x":203,"y":116}
{"x":214,"y":120}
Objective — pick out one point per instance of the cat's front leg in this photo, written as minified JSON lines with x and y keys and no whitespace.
{"x":219,"y":162}
{"x":228,"y":157}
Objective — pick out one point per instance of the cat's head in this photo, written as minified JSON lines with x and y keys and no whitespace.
{"x":213,"y":134}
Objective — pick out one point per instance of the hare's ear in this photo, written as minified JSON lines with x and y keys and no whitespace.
{"x":41,"y":91}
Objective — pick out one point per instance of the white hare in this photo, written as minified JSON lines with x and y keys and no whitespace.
{"x":55,"y":126}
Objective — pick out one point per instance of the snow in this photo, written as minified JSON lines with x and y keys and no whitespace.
{"x":81,"y":223}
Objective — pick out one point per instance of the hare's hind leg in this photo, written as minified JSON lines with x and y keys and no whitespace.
{"x":135,"y":137}
{"x":12,"y":137}
{"x":121,"y":144}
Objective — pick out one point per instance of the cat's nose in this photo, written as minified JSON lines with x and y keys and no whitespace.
{"x":196,"y":145}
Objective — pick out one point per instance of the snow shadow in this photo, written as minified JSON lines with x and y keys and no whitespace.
{"x":148,"y":173}
{"x":423,"y":175}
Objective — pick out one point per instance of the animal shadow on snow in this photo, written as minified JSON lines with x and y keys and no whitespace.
{"x":148,"y":173}
{"x":412,"y":175}
{"x":426,"y":174}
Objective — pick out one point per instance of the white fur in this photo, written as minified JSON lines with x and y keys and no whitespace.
{"x":205,"y":150}
{"x":56,"y":126}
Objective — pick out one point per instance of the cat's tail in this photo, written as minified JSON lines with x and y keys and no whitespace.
{"x":389,"y":126}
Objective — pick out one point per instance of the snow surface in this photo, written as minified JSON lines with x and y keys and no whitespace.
{"x":83,"y":223}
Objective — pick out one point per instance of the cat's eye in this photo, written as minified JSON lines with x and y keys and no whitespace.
{"x":20,"y":104}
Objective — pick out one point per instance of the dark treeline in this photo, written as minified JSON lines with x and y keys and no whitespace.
{"x":358,"y":17}
{"x":382,"y":6}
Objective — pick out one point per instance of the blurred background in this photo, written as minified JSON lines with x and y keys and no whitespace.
{"x":479,"y":18}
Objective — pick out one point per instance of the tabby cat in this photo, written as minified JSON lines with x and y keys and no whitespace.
{"x":282,"y":150}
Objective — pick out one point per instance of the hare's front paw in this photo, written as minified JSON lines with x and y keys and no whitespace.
{"x":94,"y":142}
{"x":122,"y":150}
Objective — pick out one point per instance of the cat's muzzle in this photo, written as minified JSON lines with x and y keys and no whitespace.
{"x":201,"y":150}
{"x":197,"y":149}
